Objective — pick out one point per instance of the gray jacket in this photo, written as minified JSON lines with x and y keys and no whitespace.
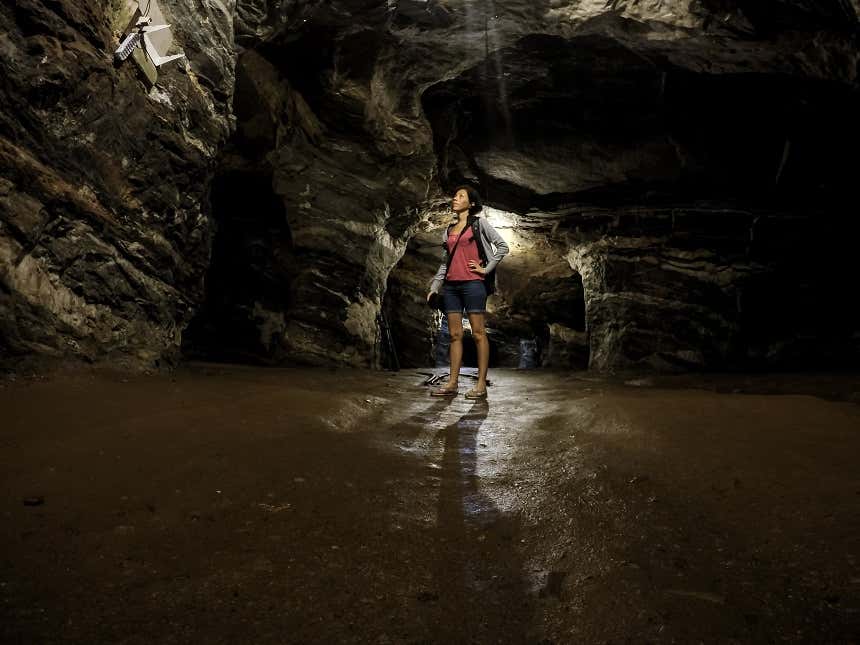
{"x":495,"y":248}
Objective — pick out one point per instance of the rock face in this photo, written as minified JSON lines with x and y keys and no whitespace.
{"x":718,"y":288}
{"x":104,"y":231}
{"x":341,"y":190}
{"x":669,"y":172}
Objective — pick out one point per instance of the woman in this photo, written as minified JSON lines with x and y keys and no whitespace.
{"x":473,"y":248}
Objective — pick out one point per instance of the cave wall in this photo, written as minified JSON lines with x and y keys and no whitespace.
{"x":413,"y":325}
{"x":104,"y":230}
{"x":683,"y":158}
{"x":317,"y":115}
{"x":671,"y":156}
{"x":704,"y":203}
{"x":679,"y":289}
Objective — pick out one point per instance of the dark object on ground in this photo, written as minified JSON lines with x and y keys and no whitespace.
{"x":388,"y":340}
{"x":435,"y":379}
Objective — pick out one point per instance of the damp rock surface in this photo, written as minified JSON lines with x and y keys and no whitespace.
{"x":274,"y":505}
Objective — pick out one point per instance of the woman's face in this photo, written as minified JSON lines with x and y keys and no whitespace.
{"x":461,"y":201}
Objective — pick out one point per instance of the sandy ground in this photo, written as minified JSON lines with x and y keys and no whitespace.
{"x":241,"y":505}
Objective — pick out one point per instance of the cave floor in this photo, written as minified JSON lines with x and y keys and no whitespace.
{"x":226,"y":504}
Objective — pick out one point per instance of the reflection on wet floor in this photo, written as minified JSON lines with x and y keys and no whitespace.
{"x":347,"y":506}
{"x":478,"y":564}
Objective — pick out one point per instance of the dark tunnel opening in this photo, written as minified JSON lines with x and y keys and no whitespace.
{"x":248,"y":286}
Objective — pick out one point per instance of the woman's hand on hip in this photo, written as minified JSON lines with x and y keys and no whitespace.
{"x":476,"y":268}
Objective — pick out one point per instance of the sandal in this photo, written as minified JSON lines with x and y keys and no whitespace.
{"x":476,"y":394}
{"x":445,"y":390}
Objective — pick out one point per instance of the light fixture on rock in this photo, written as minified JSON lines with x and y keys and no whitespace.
{"x":138,"y":45}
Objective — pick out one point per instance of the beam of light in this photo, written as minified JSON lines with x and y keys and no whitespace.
{"x":494,"y":43}
{"x":500,"y":219}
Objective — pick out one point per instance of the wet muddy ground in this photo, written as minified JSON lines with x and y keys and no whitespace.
{"x":224,"y":504}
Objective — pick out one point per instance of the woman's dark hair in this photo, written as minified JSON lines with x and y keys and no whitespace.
{"x":474,"y":198}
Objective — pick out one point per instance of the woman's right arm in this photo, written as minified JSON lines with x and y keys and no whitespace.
{"x":439,"y":278}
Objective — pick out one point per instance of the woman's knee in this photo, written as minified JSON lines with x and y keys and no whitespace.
{"x":479,"y":335}
{"x":456,"y":334}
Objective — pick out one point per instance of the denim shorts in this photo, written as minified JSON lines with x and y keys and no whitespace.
{"x":470,"y":295}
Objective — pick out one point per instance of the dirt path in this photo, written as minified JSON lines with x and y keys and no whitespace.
{"x":241,"y":505}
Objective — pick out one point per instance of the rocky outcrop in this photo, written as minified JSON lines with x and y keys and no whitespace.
{"x":686,"y":289}
{"x":414,"y":326}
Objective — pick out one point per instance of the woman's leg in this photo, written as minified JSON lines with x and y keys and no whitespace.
{"x":455,"y":330}
{"x":482,"y":343}
{"x":452,"y":299}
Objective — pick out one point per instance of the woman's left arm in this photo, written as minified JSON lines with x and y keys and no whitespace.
{"x":500,"y":247}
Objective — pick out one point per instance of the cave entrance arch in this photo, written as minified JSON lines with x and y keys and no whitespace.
{"x":539,"y":317}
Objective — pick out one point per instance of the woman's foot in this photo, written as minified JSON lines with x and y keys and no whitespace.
{"x":476,"y":393}
{"x":449,"y":389}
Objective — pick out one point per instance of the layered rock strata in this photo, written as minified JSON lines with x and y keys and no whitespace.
{"x":104,"y":227}
{"x":682,"y":158}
